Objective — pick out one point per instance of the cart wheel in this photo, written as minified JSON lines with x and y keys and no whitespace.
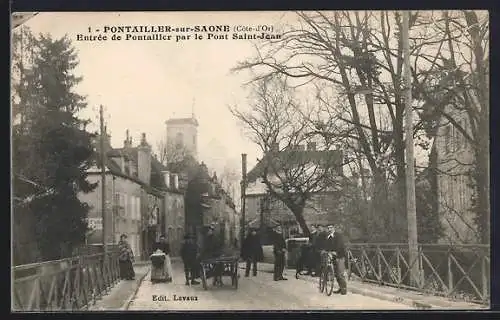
{"x":204,"y":277}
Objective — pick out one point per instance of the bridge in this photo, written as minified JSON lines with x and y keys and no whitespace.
{"x":449,"y":277}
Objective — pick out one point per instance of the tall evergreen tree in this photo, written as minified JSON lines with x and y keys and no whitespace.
{"x":51,"y":146}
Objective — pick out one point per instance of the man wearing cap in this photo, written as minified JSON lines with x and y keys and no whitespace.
{"x":212,"y":249}
{"x":335,"y":243}
{"x":311,"y":256}
{"x":318,"y":245}
{"x":251,"y":251}
{"x":279,"y":250}
{"x":189,"y":252}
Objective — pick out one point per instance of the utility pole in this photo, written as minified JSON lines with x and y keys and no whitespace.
{"x":103,"y":180}
{"x":243,"y":195}
{"x":410,"y":167}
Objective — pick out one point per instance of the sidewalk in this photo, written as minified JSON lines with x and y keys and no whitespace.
{"x":123,"y":292}
{"x":413,"y":299}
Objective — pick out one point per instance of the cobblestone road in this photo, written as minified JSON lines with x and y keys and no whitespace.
{"x":253,"y":293}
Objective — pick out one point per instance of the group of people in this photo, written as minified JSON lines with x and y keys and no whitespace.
{"x":327,"y":239}
{"x":252,"y":253}
{"x":321,"y":240}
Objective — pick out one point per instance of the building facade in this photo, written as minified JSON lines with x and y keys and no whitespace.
{"x":454,"y":160}
{"x":182,"y":138}
{"x":139,"y":193}
{"x":322,"y":207}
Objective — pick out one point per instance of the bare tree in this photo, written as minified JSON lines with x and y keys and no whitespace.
{"x":229,"y":181}
{"x":455,"y":91}
{"x":170,"y":153}
{"x":274,"y":123}
{"x":355,"y":62}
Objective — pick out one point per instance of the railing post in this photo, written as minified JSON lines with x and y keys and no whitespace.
{"x":349,"y":256}
{"x":485,"y":282}
{"x":421,"y":267}
{"x":450,"y":274}
{"x":363,"y":266}
{"x":398,"y":266}
{"x":379,"y":263}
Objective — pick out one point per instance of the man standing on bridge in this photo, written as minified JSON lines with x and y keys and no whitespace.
{"x":279,"y":250}
{"x":335,"y":243}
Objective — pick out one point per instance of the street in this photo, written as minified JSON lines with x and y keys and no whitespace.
{"x":253,"y":293}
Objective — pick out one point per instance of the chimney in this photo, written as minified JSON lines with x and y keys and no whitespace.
{"x":275,"y":147}
{"x":143,"y":140}
{"x":166,"y":178}
{"x":311,"y":146}
{"x":144,"y":161}
{"x":127,"y":143}
{"x":176,"y":181}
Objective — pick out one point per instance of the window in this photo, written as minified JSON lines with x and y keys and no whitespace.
{"x":451,"y":192}
{"x":179,"y":139}
{"x":447,"y":146}
{"x":121,"y":204}
{"x":138,"y":208}
{"x":132,"y":207}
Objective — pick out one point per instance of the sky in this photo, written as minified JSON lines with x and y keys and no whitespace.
{"x":141,"y":84}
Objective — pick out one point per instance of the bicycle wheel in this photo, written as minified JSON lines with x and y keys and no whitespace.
{"x":330,"y":281}
{"x":321,"y":280}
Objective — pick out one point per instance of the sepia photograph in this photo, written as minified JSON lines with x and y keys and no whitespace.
{"x":250,"y":161}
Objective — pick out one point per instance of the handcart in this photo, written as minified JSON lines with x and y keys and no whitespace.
{"x":219,"y":267}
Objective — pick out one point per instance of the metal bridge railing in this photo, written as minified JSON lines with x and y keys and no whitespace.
{"x":68,"y":284}
{"x":460,"y":272}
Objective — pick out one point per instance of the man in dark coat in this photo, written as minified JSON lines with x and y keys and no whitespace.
{"x":279,"y":250}
{"x":212,"y":249}
{"x":189,"y":253}
{"x":318,"y":245}
{"x":311,"y":256}
{"x":251,"y":252}
{"x":335,"y":243}
{"x":211,"y":245}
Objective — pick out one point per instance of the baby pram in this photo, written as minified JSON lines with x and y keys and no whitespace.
{"x":158,"y":272}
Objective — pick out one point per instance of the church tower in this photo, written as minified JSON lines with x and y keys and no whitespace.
{"x":182,"y":138}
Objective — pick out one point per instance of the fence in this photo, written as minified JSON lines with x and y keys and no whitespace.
{"x":458,"y":271}
{"x":68,"y":284}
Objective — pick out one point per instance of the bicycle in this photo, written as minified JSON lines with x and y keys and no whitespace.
{"x":327,"y":273}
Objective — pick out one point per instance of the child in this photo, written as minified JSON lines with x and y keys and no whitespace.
{"x":189,"y":252}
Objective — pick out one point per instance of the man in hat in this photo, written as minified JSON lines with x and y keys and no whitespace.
{"x":251,"y":251}
{"x":279,"y":250}
{"x":312,"y":252}
{"x":335,"y":243}
{"x":189,"y":252}
{"x":212,"y":249}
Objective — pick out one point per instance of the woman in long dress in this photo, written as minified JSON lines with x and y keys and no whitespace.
{"x":126,"y":258}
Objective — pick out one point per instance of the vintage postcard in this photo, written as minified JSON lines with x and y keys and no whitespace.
{"x":318,"y":160}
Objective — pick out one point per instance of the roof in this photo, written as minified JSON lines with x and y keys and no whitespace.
{"x":157,"y":182}
{"x":255,"y":223}
{"x":192,"y":121}
{"x":288,"y":157}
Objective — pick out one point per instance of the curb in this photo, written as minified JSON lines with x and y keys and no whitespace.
{"x":127,"y":303}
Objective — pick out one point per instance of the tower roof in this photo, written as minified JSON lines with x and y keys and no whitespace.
{"x":192,"y":121}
